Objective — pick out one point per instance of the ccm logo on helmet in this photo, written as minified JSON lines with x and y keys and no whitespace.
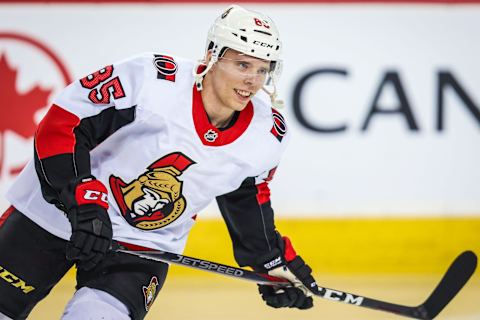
{"x":95,"y":195}
{"x":262,"y":44}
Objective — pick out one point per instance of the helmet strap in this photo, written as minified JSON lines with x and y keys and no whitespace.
{"x":277,"y":103}
{"x":199,"y":76}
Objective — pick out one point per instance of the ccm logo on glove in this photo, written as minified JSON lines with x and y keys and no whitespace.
{"x":283,"y":262}
{"x":95,"y":195}
{"x":272,"y":264}
{"x":92,"y":191}
{"x":91,"y":226}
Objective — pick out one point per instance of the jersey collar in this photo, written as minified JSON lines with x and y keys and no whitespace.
{"x":210,"y":135}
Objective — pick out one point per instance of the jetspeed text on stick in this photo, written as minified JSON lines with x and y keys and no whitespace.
{"x":208,"y":266}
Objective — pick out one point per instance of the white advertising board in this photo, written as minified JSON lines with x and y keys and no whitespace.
{"x":383,"y":100}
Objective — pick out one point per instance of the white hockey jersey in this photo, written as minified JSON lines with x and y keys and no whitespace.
{"x":139,"y":126}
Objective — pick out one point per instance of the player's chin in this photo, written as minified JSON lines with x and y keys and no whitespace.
{"x":239,"y":106}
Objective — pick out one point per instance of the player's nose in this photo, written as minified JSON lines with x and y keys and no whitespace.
{"x":253,"y":80}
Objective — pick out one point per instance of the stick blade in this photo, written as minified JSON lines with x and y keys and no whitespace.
{"x":452,"y":282}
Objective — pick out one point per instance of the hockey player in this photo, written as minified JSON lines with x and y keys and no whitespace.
{"x":131,"y":153}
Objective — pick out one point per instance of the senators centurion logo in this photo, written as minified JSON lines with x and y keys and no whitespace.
{"x":149,"y":292}
{"x":154,"y":199}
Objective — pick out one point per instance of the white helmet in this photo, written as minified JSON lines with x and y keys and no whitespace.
{"x":248,"y":32}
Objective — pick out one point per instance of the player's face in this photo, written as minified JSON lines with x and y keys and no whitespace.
{"x":237,"y":77}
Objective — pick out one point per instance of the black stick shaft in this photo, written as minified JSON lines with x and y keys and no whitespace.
{"x":457,"y":275}
{"x":209,"y":266}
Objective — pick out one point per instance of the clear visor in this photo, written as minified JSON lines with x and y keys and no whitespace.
{"x":274,"y":75}
{"x":260,"y":71}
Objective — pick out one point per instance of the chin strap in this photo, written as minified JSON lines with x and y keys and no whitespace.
{"x":199,"y":76}
{"x":277,"y":103}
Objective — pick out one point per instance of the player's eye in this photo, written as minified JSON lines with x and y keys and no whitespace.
{"x":243,"y":65}
{"x":263,"y":71}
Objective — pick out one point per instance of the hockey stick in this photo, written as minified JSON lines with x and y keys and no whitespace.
{"x":454,"y":279}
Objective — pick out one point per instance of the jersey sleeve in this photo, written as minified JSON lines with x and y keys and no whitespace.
{"x":249,"y":217}
{"x":83,"y":115}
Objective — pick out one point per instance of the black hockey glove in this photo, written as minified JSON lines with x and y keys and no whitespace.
{"x":91,"y":226}
{"x":285,"y":263}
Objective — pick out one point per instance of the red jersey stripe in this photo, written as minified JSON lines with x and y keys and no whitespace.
{"x":55,"y":133}
{"x":5,"y":215}
{"x":263,"y":193}
{"x":134,"y":247}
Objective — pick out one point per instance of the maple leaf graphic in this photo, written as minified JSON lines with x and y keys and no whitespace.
{"x":17,"y":109}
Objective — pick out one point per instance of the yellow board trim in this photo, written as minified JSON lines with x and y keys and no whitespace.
{"x":381,"y":246}
{"x":354,"y":245}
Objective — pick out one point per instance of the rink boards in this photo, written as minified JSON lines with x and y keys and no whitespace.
{"x":357,"y":245}
{"x":397,"y":260}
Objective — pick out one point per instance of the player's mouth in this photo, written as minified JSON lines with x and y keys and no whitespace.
{"x":243,"y":94}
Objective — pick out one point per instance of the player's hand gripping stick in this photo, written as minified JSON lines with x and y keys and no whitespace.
{"x":285,"y":263}
{"x":91,"y":226}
